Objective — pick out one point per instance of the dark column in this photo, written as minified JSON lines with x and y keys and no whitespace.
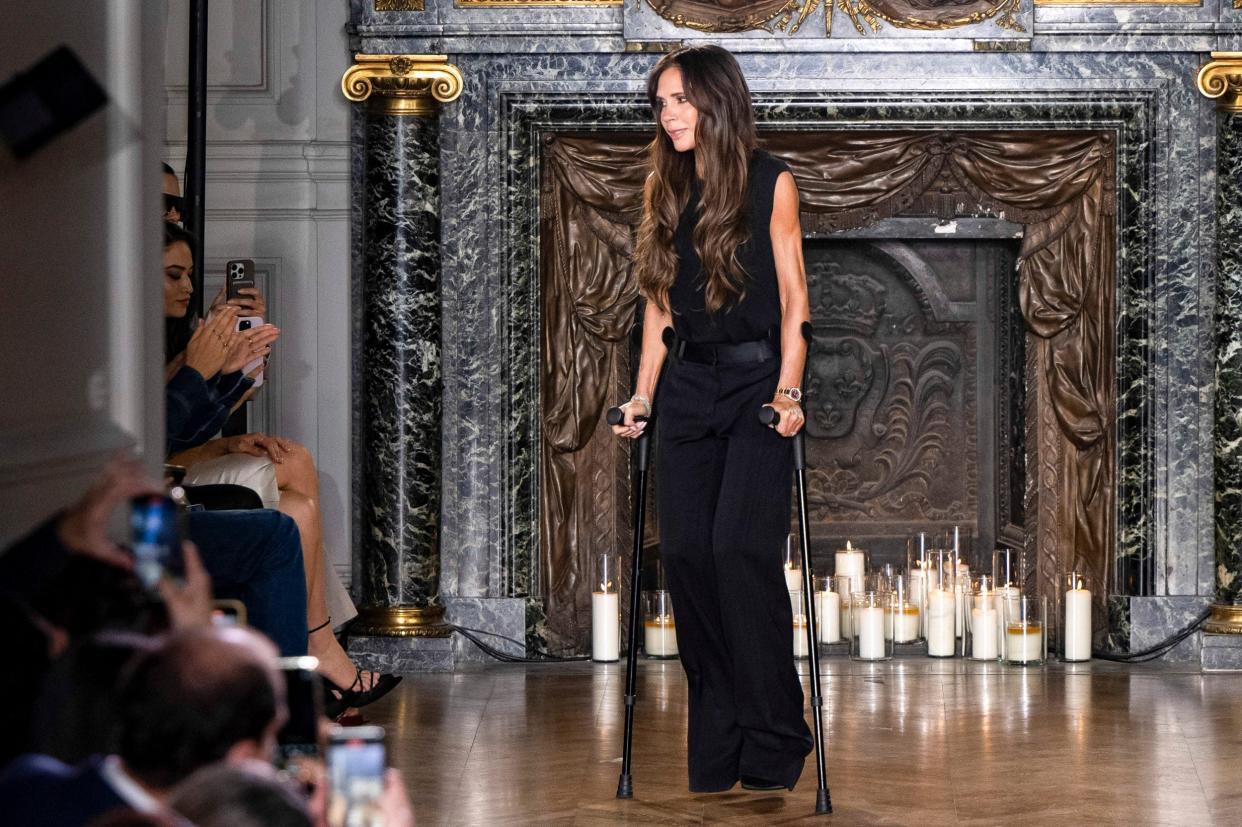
{"x":1222,"y":79}
{"x":401,"y":390}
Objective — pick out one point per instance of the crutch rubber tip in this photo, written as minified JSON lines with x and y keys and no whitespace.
{"x":625,"y":786}
{"x":823,"y":804}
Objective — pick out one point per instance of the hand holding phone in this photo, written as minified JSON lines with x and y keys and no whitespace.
{"x":254,"y":345}
{"x":155,"y":539}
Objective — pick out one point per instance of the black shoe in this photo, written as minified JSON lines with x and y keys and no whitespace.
{"x":355,"y":696}
{"x":761,"y":785}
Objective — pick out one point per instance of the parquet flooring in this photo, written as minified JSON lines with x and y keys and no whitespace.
{"x":911,"y":742}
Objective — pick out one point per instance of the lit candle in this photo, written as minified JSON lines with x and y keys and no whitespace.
{"x":1024,"y":642}
{"x":1003,"y":594}
{"x":871,"y":632}
{"x":906,"y":623}
{"x":959,"y":608}
{"x":828,"y":616}
{"x":940,"y":614}
{"x":660,"y":637}
{"x":605,"y":626}
{"x":793,"y":577}
{"x":852,"y":563}
{"x":918,"y":593}
{"x":799,"y":633}
{"x":1077,"y":620}
{"x":983,"y":632}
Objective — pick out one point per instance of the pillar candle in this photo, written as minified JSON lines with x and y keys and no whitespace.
{"x":605,"y":626}
{"x":1024,"y":642}
{"x":959,"y":609}
{"x":983,"y":633}
{"x":852,"y":563}
{"x":828,"y":615}
{"x":870,"y":622}
{"x":799,"y":633}
{"x":918,"y":595}
{"x":660,"y":637}
{"x":906,"y":622}
{"x":1003,"y":594}
{"x":793,"y":578}
{"x":1078,"y":624}
{"x":940,"y":614}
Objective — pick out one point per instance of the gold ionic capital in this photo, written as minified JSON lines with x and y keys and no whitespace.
{"x":401,"y":621}
{"x":1222,"y":80}
{"x":402,"y":84}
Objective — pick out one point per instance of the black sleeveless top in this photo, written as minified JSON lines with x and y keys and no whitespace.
{"x":760,"y":310}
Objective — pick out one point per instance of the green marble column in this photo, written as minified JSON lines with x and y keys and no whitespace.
{"x":401,"y":384}
{"x":1221,"y":79}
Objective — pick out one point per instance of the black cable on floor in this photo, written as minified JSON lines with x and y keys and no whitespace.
{"x":542,"y":656}
{"x":1160,"y":649}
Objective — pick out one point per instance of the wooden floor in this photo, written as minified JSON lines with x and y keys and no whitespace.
{"x":913,"y":741}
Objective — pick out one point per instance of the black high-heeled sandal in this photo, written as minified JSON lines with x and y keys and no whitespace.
{"x":360,"y":697}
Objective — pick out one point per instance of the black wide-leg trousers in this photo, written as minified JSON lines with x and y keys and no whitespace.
{"x":724,"y":498}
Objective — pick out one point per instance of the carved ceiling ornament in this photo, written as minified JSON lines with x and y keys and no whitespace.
{"x":931,"y":15}
{"x":736,"y":15}
{"x":867,"y":16}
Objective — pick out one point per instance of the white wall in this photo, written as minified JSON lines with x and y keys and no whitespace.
{"x":278,"y":192}
{"x":80,"y":290}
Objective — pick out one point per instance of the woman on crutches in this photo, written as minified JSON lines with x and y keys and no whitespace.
{"x":719,"y":259}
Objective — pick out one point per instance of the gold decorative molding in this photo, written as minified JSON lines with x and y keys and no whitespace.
{"x":1222,"y":80}
{"x":402,"y":84}
{"x":1226,"y":619}
{"x":398,"y":5}
{"x":401,"y":621}
{"x":466,"y":4}
{"x":1121,"y":2}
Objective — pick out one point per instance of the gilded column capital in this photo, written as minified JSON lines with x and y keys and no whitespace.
{"x":1222,"y":80}
{"x":402,"y":84}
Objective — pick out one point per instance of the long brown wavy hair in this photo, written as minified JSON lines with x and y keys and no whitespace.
{"x":724,"y":138}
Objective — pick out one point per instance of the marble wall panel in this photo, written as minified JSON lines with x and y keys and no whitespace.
{"x":490,"y":165}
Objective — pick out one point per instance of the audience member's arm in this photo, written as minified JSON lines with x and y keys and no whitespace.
{"x":189,"y":407}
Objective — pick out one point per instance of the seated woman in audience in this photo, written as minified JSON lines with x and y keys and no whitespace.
{"x":205,"y":384}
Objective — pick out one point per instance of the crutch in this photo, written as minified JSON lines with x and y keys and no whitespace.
{"x":625,"y":784}
{"x":769,"y":416}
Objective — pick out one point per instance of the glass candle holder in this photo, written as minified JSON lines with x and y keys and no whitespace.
{"x":872,"y":638}
{"x":942,"y":605}
{"x":1008,"y":568}
{"x":918,"y":564}
{"x":842,"y":585}
{"x":1026,"y":630}
{"x":983,"y":622}
{"x":606,"y":610}
{"x":800,"y":647}
{"x":792,"y":565}
{"x":659,"y":627}
{"x":906,"y":623}
{"x":1075,"y":617}
{"x":827,"y":611}
{"x":851,"y":562}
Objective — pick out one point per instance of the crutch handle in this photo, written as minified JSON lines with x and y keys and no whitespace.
{"x":769,"y":416}
{"x":616,"y":416}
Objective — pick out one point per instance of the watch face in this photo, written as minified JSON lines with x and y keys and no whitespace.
{"x":793,"y":393}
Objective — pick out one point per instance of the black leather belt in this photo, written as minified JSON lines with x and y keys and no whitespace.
{"x":725,"y":353}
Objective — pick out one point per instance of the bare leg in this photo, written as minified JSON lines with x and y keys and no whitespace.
{"x":299,"y":498}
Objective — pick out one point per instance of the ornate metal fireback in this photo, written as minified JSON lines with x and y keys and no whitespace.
{"x":898,"y":418}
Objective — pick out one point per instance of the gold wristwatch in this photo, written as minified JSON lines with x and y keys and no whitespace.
{"x":793,"y":393}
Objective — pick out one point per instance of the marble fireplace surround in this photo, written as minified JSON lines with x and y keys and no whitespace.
{"x":491,"y":143}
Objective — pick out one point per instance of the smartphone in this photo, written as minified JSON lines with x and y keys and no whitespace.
{"x":247,"y":323}
{"x":238,"y":273}
{"x":155,"y":539}
{"x":299,"y":738}
{"x":356,"y":765}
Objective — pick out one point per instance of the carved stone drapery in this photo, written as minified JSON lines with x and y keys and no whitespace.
{"x":1060,"y":184}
